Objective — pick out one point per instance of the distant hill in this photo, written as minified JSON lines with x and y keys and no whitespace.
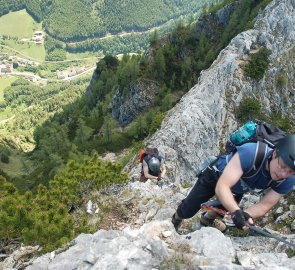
{"x":74,"y":20}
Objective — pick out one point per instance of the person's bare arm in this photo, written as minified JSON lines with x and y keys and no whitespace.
{"x":267,"y":202}
{"x":230,"y":176}
{"x":163,"y":169}
{"x":146,"y":171}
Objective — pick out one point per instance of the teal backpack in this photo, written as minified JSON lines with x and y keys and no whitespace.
{"x":255,"y":132}
{"x":244,"y":133}
{"x":265,"y":133}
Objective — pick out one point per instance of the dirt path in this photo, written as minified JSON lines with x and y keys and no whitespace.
{"x":16,"y":51}
{"x":122,"y":34}
{"x":6,"y":120}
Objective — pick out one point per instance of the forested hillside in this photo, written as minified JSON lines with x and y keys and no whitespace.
{"x":29,"y":106}
{"x":11,"y":5}
{"x":97,"y":17}
{"x":107,"y":27}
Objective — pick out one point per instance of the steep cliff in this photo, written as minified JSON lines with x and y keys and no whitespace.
{"x":196,"y":126}
{"x":142,"y":95}
{"x":192,"y":130}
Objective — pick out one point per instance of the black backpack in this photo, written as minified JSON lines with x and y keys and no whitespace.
{"x":255,"y":132}
{"x":267,"y":135}
{"x":264,"y":133}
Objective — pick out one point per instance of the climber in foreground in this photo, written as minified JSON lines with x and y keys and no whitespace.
{"x":241,"y":171}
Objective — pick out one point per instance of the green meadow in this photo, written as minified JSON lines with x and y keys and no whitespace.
{"x":34,"y":51}
{"x":18,"y":24}
{"x":82,"y":56}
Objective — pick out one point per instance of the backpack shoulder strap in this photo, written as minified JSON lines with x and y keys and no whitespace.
{"x":146,"y":158}
{"x":260,"y":154}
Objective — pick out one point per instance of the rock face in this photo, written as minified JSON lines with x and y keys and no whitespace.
{"x":204,"y":117}
{"x":152,"y":243}
{"x":140,"y":96}
{"x":138,"y":249}
{"x":126,"y":106}
{"x":190,"y":132}
{"x":212,"y":24}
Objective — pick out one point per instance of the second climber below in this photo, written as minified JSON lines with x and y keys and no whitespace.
{"x":153,"y":166}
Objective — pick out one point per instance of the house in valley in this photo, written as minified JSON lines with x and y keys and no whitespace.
{"x":38,"y":37}
{"x":6,"y":68}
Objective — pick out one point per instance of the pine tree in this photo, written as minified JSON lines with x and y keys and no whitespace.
{"x":160,"y":66}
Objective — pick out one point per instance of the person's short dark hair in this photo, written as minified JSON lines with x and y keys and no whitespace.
{"x":152,"y":152}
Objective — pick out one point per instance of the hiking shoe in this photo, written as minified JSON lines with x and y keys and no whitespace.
{"x":206,"y":221}
{"x":176,"y":222}
{"x":215,"y":223}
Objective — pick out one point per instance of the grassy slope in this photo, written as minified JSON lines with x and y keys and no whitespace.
{"x":10,"y":25}
{"x":31,"y":50}
{"x":85,"y":55}
{"x":17,"y":165}
{"x":18,"y":24}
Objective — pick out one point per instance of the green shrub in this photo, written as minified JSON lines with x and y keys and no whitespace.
{"x":282,"y":80}
{"x":166,"y":102}
{"x":43,"y":218}
{"x":56,"y":55}
{"x":158,"y":118}
{"x":290,"y":252}
{"x":249,"y":108}
{"x":258,"y":64}
{"x":283,"y":123}
{"x":4,"y":158}
{"x":4,"y":154}
{"x":177,"y":262}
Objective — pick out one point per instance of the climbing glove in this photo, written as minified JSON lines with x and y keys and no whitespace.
{"x":240,"y":218}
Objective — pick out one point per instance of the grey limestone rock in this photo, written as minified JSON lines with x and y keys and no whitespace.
{"x":140,"y":96}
